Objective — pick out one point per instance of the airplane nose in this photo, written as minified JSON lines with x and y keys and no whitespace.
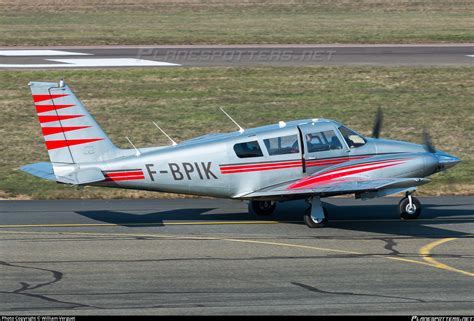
{"x":445,"y":160}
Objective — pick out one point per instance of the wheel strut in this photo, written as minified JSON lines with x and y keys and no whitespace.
{"x":315,"y":215}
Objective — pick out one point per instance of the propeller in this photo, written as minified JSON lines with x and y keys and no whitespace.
{"x":428,"y":142}
{"x":378,"y":123}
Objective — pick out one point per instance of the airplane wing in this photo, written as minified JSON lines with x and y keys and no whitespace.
{"x":360,"y":177}
{"x":348,"y":185}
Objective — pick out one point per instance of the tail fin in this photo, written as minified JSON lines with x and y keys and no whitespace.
{"x":71,"y":134}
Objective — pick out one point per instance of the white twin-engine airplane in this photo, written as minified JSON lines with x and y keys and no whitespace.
{"x":302,"y":159}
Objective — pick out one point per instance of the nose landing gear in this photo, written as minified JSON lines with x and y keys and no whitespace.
{"x":409,"y":207}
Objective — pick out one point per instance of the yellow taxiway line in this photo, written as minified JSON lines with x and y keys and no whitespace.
{"x":424,"y":251}
{"x":211,"y":223}
{"x":143,"y":224}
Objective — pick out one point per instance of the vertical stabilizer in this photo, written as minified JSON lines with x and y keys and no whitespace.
{"x":71,"y":134}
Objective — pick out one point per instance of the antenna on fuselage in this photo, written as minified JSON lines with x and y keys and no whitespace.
{"x":240,"y":128}
{"x":167,"y":136}
{"x":138,"y":152}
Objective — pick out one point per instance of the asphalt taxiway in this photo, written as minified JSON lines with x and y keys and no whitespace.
{"x":208,"y":256}
{"x":238,"y":55}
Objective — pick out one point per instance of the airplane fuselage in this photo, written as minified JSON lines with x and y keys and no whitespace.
{"x":210,"y":165}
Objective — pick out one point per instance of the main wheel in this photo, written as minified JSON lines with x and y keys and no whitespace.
{"x":310,"y":222}
{"x":408,"y":212}
{"x":262,"y":207}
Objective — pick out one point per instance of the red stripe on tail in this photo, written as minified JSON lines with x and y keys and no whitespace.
{"x":53,"y":144}
{"x":55,"y":130}
{"x":45,"y":108}
{"x":38,"y":98}
{"x":48,"y":119}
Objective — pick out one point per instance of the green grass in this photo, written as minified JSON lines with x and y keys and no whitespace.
{"x":94,"y":22}
{"x":185,"y":101}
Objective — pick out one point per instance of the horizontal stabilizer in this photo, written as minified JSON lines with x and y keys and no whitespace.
{"x":82,"y":176}
{"x":42,"y":170}
{"x":75,"y":177}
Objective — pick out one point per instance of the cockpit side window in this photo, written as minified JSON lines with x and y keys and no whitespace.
{"x":248,"y":149}
{"x":322,"y":141}
{"x":282,"y":145}
{"x":352,"y":139}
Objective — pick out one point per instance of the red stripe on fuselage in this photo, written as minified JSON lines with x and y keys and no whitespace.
{"x":258,"y":165}
{"x":341,"y":172}
{"x":230,"y":169}
{"x":335,"y":161}
{"x":127,"y":178}
{"x":346,"y":168}
{"x":119,"y":174}
{"x":258,"y":169}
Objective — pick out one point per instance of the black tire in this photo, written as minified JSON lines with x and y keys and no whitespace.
{"x":263,"y":208}
{"x":312,"y":224}
{"x":403,"y":208}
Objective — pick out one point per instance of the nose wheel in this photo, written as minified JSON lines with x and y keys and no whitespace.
{"x":263,"y":208}
{"x":409,"y":208}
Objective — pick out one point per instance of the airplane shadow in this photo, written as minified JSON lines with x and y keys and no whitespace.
{"x":141,"y":220}
{"x":384,"y":218}
{"x":378,"y":218}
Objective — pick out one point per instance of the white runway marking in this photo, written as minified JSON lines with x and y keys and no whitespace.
{"x":34,"y":53}
{"x":93,"y":62}
{"x":113,"y":62}
{"x":472,"y":56}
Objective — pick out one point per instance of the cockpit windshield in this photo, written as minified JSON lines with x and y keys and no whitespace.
{"x":352,"y":139}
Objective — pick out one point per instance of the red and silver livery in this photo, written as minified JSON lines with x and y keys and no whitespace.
{"x":302,"y":159}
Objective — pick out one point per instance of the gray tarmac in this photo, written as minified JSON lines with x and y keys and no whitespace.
{"x":263,"y":55}
{"x":209,"y":256}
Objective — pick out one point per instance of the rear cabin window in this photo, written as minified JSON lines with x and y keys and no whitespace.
{"x":282,"y":145}
{"x":248,"y":149}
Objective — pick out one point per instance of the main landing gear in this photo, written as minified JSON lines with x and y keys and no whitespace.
{"x":263,"y":208}
{"x":315,"y":215}
{"x":409,"y":207}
